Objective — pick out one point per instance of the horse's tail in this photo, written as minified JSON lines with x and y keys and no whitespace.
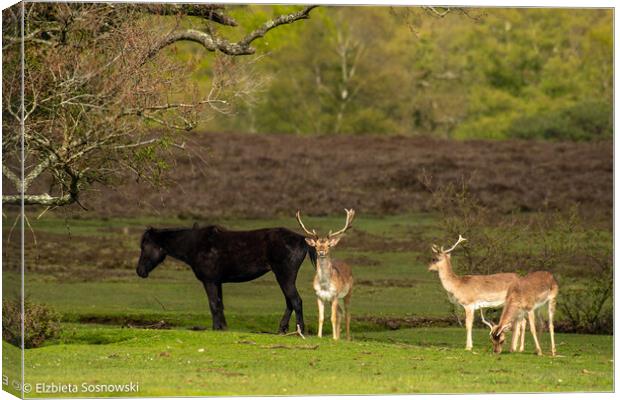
{"x":312,"y":254}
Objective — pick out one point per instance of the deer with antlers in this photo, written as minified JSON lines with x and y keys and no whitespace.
{"x":472,"y":292}
{"x":524,"y":297}
{"x":333,"y":279}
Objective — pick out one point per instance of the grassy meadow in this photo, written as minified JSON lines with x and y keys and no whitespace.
{"x":119,"y":328}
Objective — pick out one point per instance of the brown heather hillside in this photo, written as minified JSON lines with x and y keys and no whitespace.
{"x":267,"y":175}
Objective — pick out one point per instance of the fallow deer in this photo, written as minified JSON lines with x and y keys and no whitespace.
{"x":333,"y":280}
{"x":470,"y":291}
{"x":518,"y":333}
{"x":524,"y":297}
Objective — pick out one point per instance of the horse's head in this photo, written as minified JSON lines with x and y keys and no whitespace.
{"x":152,"y":254}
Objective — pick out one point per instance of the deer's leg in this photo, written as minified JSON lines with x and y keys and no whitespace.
{"x":469,"y":322}
{"x":335,"y":333}
{"x":321,"y":315}
{"x":522,"y":325}
{"x":516,"y":332}
{"x":551,"y":312}
{"x":532,"y":321}
{"x":347,"y":314}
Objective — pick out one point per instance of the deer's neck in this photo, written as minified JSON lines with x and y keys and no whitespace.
{"x":449,"y":280}
{"x":324,"y":271}
{"x":510,"y":313}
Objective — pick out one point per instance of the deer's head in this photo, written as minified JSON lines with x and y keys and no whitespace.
{"x":497,"y":334}
{"x":441,"y":256}
{"x":498,"y":337}
{"x":322,"y":244}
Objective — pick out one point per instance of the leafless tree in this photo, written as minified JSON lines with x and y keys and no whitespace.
{"x":349,"y":50}
{"x":100,"y":98}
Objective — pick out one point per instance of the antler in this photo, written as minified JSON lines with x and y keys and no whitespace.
{"x":435,"y":248}
{"x":489,"y":324}
{"x":310,"y":234}
{"x":461,"y":239}
{"x":347,"y":224}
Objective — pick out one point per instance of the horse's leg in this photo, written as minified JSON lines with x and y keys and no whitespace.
{"x":286,"y":279}
{"x":216,"y":314}
{"x":220,"y":298}
{"x":286,"y":317}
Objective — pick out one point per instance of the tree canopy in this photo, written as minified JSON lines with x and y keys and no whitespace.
{"x":479,"y":73}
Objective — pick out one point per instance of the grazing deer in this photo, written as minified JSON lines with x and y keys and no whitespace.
{"x":518,"y":333}
{"x":470,"y":291}
{"x":524,"y":297}
{"x":333,"y":280}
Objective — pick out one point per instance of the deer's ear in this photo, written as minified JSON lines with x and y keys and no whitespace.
{"x":334,"y":241}
{"x":311,"y":242}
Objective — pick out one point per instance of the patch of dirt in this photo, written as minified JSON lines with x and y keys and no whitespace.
{"x":124,"y":322}
{"x":272,"y":175}
{"x":394,"y":323}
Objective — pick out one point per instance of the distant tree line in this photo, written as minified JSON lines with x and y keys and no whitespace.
{"x":484,"y":73}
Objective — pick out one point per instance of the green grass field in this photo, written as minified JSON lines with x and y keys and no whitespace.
{"x":393,"y":285}
{"x":423,"y":360}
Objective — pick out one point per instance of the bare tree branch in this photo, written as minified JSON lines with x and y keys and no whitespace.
{"x":435,"y":11}
{"x":243,"y":47}
{"x":40,"y":200}
{"x":210,"y":12}
{"x":15,"y":180}
{"x":281,"y":20}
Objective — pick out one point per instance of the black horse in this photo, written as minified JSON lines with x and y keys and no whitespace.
{"x":217,"y":255}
